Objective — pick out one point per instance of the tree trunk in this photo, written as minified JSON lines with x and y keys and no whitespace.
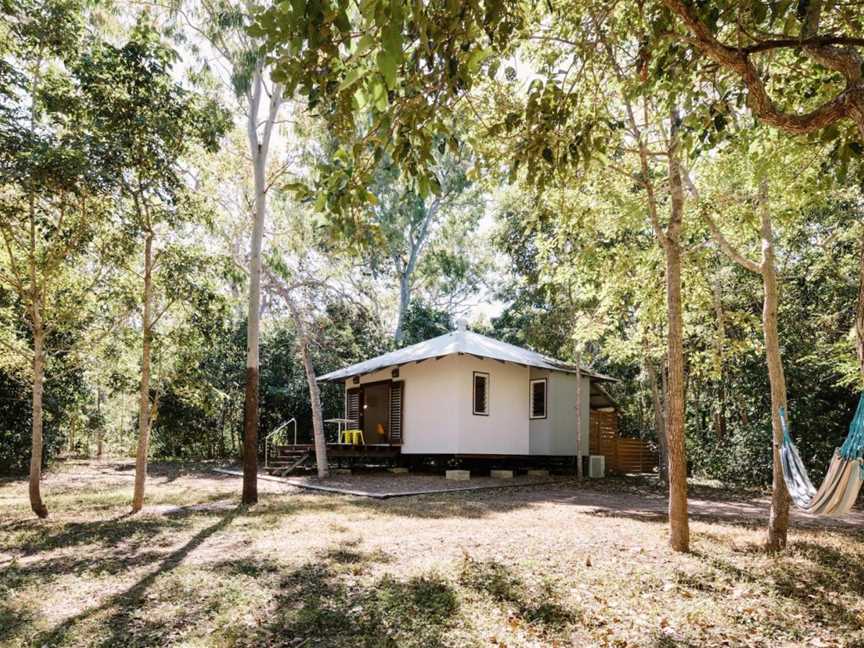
{"x":258,"y":149}
{"x":679,"y":524}
{"x":36,"y":502}
{"x":678,"y":521}
{"x":778,"y":523}
{"x":579,"y":469}
{"x":659,"y":424}
{"x":144,"y":387}
{"x":859,"y":314}
{"x":404,"y":302}
{"x":317,"y":418}
{"x":100,"y":432}
{"x":253,"y":328}
{"x":719,"y":360}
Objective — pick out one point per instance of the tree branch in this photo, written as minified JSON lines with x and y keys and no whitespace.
{"x":846,"y":104}
{"x":727,"y":248}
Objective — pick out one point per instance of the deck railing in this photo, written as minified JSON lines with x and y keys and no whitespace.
{"x":276,"y":431}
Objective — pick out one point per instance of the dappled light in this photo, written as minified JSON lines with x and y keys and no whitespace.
{"x":540,"y":564}
{"x":400,"y":324}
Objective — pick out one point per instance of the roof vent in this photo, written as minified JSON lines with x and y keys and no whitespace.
{"x":461,"y":325}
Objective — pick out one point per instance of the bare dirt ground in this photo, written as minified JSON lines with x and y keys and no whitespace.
{"x":547,"y":565}
{"x":384,"y":484}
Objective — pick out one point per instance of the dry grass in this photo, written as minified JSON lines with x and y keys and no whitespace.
{"x":540,"y":566}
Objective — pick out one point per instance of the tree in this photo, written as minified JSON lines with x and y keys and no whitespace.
{"x":224,"y":26}
{"x":816,"y":43}
{"x":150,"y":122}
{"x":630,"y":135}
{"x":408,"y":224}
{"x":787,"y":172}
{"x":813,"y":46}
{"x":54,"y":195}
{"x":288,"y":291}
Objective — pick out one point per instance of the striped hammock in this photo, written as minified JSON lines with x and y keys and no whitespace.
{"x":838,"y":492}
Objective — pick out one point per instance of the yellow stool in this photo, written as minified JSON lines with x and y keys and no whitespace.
{"x":354,"y":437}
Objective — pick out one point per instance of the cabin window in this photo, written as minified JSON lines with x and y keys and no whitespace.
{"x":538,"y":398}
{"x":481,"y":393}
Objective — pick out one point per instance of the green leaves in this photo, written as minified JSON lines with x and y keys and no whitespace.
{"x":387,"y":64}
{"x":386,"y":75}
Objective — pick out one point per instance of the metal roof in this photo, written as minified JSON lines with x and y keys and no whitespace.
{"x":459,"y":342}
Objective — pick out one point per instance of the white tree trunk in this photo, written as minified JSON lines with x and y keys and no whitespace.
{"x":144,"y":387}
{"x":253,"y":331}
{"x":258,"y":149}
{"x":404,"y":302}
{"x":317,"y":417}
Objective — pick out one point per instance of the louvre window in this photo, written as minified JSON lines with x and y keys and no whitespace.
{"x":538,"y":399}
{"x":396,"y":393}
{"x":353,"y":408}
{"x":481,"y":393}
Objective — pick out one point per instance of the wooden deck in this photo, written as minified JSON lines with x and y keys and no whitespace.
{"x":285,"y":459}
{"x":344,"y":449}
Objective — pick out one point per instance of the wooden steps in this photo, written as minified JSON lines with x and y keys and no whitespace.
{"x":286,"y":460}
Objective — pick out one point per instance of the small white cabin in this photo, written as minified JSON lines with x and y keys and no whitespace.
{"x":465,"y":394}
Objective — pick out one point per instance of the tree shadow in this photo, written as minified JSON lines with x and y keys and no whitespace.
{"x":314,"y":606}
{"x":122,"y":606}
{"x":814,"y":584}
{"x":132,"y":530}
{"x":540,"y":607}
{"x":15,"y":620}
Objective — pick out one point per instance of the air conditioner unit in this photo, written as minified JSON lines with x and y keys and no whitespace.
{"x":596,"y":466}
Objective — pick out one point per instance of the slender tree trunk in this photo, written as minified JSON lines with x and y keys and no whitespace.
{"x":317,"y":418}
{"x":100,"y":432}
{"x":579,"y":469}
{"x":253,"y":328}
{"x":36,"y":439}
{"x":258,"y":149}
{"x":404,"y":302}
{"x":144,"y":387}
{"x":678,"y":521}
{"x":778,"y":522}
{"x":250,"y":418}
{"x":36,"y":502}
{"x":720,"y":416}
{"x":659,"y":423}
{"x":859,"y":314}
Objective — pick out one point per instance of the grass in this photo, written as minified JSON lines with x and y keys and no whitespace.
{"x":541,"y":566}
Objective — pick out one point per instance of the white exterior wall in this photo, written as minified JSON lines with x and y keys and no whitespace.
{"x":429,"y":423}
{"x":438,"y":413}
{"x":556,"y":434}
{"x":505,"y":429}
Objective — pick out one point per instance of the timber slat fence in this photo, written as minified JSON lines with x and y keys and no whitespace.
{"x":623,"y":455}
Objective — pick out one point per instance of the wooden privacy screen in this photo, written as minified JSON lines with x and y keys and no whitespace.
{"x":622,"y":455}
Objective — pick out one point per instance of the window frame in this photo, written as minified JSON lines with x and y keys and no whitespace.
{"x":474,"y":375}
{"x":531,"y":384}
